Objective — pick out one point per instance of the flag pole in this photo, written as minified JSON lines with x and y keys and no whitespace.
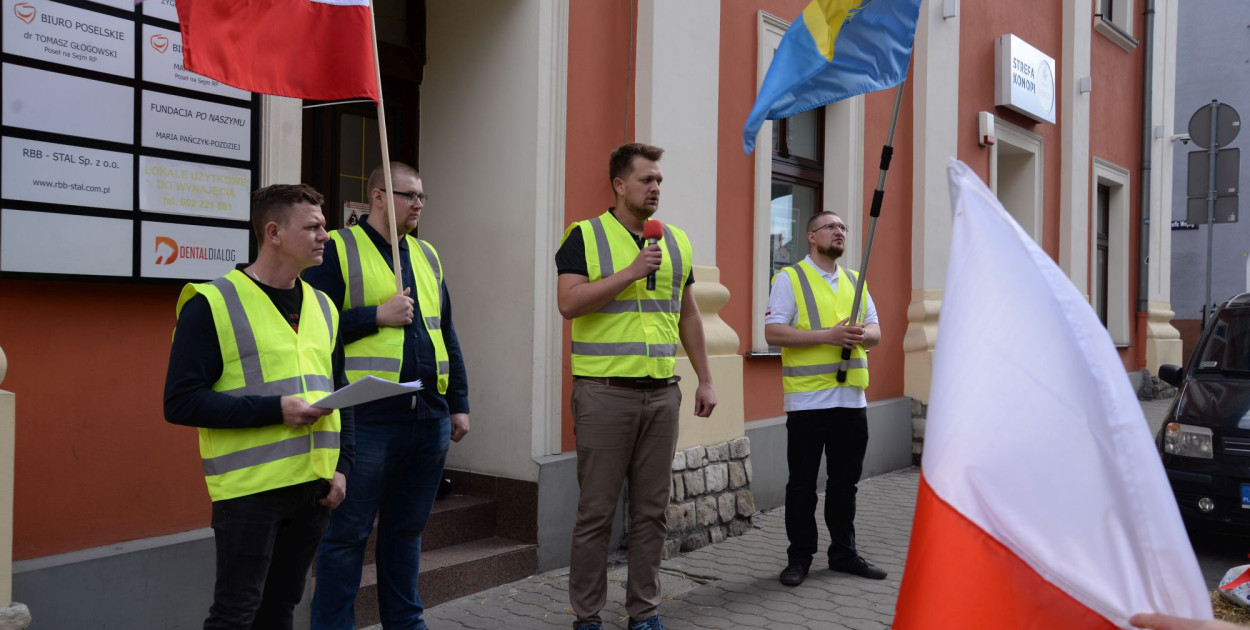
{"x":887,"y":152}
{"x":386,"y":157}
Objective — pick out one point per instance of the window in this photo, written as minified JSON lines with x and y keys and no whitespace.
{"x":1102,"y":215}
{"x":797,"y":181}
{"x":1114,"y":20}
{"x":816,"y":163}
{"x":341,"y":140}
{"x":1016,"y":174}
{"x":1108,"y":246}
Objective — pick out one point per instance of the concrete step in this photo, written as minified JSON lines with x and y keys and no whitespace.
{"x":456,"y":519}
{"x":454,"y":571}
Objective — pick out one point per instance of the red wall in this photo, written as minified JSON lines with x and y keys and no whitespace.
{"x":599,"y":44}
{"x":1115,"y":135}
{"x":890,"y":273}
{"x":1042,"y":27}
{"x":96,"y":461}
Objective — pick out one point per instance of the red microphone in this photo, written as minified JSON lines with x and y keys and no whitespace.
{"x":652,"y":230}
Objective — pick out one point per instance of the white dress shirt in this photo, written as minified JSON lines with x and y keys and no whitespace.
{"x":782,"y":309}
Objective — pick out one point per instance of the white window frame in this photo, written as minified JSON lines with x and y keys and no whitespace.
{"x":1119,"y":26}
{"x":843,"y":188}
{"x":1117,"y":179}
{"x":1022,"y":141}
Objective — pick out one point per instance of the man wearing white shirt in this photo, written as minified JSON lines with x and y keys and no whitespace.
{"x":809,"y":310}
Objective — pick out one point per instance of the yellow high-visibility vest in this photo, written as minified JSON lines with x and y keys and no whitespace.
{"x":263,"y":356}
{"x":815,"y":368}
{"x":369,"y":281}
{"x":636,"y":334}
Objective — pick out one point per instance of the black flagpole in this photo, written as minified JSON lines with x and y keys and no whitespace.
{"x":887,"y":152}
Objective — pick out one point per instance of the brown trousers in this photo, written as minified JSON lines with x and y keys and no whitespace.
{"x":621,"y":433}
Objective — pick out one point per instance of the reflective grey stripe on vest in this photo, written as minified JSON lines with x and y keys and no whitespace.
{"x":355,"y":276}
{"x":284,"y":387}
{"x":609,"y":349}
{"x":444,"y":367}
{"x":371,"y":364}
{"x":256,"y":455}
{"x":674,"y":254}
{"x":616,"y":307}
{"x":601,"y":245}
{"x":325,"y":312}
{"x":433,"y":323}
{"x":433,"y":260}
{"x":827,"y":368}
{"x":249,"y":355}
{"x":244,"y":338}
{"x":813,"y":314}
{"x":662,"y":350}
{"x":325,"y":439}
{"x":318,"y":383}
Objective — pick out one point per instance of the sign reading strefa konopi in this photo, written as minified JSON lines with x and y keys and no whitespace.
{"x":1024,"y":79}
{"x":118,"y":161}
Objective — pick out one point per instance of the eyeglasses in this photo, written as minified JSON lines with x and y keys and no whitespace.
{"x":833,"y":226}
{"x":410,"y":196}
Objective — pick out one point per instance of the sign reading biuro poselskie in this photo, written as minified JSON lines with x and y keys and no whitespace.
{"x":118,"y":161}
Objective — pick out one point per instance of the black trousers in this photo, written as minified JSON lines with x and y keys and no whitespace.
{"x":841,"y":435}
{"x":265,"y":544}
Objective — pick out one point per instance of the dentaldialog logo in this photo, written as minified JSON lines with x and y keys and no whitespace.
{"x":25,"y":12}
{"x":171,"y":247}
{"x":160,"y":43}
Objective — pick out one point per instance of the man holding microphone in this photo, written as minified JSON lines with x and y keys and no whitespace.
{"x":630,"y":307}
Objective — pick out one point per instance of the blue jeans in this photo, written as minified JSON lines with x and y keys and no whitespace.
{"x":396,"y":476}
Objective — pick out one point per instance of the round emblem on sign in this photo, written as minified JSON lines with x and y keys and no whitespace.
{"x":1046,"y":87}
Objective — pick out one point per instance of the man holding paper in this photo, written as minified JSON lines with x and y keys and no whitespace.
{"x":251,"y":351}
{"x":401,"y":441}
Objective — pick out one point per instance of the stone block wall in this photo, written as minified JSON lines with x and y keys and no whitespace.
{"x":711,"y":495}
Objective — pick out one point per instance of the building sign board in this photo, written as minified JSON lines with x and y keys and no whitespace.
{"x":66,"y":175}
{"x":46,"y":242}
{"x":61,"y":34}
{"x":59,"y":106}
{"x":194,"y":252}
{"x":194,"y":126}
{"x":125,"y":5}
{"x":163,"y":9}
{"x":162,"y":63}
{"x":105,"y":132}
{"x":1024,"y":79}
{"x":193,"y":189}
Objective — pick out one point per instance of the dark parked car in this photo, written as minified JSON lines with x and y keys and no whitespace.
{"x":1205,"y":438}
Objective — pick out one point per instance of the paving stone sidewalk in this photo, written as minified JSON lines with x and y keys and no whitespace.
{"x":731,"y":584}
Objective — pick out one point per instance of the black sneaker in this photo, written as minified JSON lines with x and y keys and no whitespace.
{"x":794,"y":573}
{"x":857,"y":565}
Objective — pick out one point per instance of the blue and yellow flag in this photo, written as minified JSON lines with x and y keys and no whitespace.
{"x":836,"y":49}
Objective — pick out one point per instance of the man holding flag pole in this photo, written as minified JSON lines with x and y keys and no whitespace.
{"x":282,"y":47}
{"x":835,"y":50}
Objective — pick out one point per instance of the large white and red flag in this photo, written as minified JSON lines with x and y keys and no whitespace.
{"x":1042,"y":500}
{"x":312,"y":49}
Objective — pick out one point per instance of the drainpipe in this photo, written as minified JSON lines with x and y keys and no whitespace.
{"x":1147,"y":145}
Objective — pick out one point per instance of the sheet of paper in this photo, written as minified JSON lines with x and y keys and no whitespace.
{"x":365,"y":390}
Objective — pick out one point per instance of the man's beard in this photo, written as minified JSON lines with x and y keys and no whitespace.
{"x":640,"y":210}
{"x":833,"y":250}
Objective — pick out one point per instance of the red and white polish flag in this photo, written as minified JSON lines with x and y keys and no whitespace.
{"x":1042,"y":501}
{"x":312,"y":49}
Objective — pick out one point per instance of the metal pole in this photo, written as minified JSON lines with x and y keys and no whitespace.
{"x":1212,"y":151}
{"x":887,"y":152}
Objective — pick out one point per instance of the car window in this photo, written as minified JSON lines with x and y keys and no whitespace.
{"x":1228,"y":347}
